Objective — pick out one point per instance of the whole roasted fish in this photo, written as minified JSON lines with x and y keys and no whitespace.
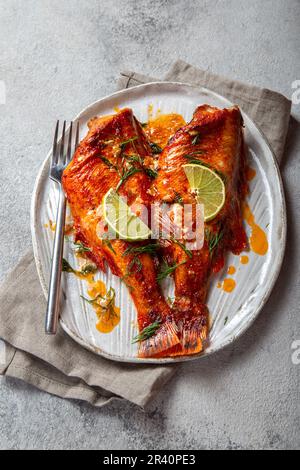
{"x":112,"y":156}
{"x":213,"y":138}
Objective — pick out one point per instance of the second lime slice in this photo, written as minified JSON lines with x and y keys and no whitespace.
{"x":209,"y":187}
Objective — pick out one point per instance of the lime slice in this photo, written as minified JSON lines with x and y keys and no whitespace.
{"x":124,"y":223}
{"x":209,"y":188}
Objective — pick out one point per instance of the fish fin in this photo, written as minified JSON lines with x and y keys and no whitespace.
{"x":192,"y":336}
{"x":192,"y":331}
{"x":165,"y":338}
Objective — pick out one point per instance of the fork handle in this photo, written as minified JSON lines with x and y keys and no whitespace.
{"x":56,"y":267}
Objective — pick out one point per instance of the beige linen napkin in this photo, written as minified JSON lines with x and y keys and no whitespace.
{"x":57,"y":364}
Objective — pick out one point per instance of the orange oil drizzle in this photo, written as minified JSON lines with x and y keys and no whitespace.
{"x":228,"y":285}
{"x":231,"y":270}
{"x":108,"y":319}
{"x":51,"y":225}
{"x":258,"y":239}
{"x":244,"y":259}
{"x":164,"y":126}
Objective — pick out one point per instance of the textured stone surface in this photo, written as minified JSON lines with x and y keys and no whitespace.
{"x":57,"y":57}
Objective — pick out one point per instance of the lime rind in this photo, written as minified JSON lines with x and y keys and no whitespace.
{"x":209,"y":188}
{"x":120,"y":218}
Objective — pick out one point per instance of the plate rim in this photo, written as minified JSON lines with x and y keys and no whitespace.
{"x":265,"y":297}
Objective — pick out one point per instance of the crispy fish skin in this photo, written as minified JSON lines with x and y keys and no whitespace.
{"x":86,"y":180}
{"x":214,"y":137}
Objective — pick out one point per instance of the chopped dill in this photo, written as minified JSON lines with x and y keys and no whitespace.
{"x":183,"y":247}
{"x":107,"y":242}
{"x":155,"y":148}
{"x":126,"y":175}
{"x":167,"y":270}
{"x":152,"y":173}
{"x":147,"y":332}
{"x":128,"y":141}
{"x":151,"y":249}
{"x":80,"y":247}
{"x":213,"y":239}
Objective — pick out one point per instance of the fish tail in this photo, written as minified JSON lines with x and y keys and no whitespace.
{"x":192,"y":336}
{"x":192,"y":331}
{"x":165,"y":338}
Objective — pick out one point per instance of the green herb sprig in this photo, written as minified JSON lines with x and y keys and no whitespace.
{"x":109,"y":164}
{"x":128,"y":141}
{"x":213,"y":239}
{"x":151,"y":249}
{"x":93,"y":301}
{"x":156,"y":149}
{"x":126,"y":174}
{"x":183,"y":247}
{"x":167,"y":270}
{"x":152,"y":173}
{"x":147,"y":332}
{"x":80,"y":247}
{"x":108,"y":243}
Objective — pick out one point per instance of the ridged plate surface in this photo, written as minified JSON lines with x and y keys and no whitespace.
{"x":231,"y":314}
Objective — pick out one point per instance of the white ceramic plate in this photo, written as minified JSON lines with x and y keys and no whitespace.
{"x":232,"y":313}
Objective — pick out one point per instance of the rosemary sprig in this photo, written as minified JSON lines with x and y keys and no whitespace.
{"x":126,"y":175}
{"x":80,"y":247}
{"x":213,"y":239}
{"x":128,"y":141}
{"x":197,"y":161}
{"x":109,"y":164}
{"x":151,"y":249}
{"x":133,"y":158}
{"x":147,"y":332}
{"x":107,"y":242}
{"x":183,"y":247}
{"x":93,"y":301}
{"x":167,"y":270}
{"x":155,"y":148}
{"x":191,"y":157}
{"x":108,"y":301}
{"x":144,"y":124}
{"x":135,"y":265}
{"x":152,"y":173}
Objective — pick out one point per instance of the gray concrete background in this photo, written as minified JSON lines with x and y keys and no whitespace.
{"x":57,"y":57}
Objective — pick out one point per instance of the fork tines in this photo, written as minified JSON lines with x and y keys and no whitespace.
{"x":62,"y":150}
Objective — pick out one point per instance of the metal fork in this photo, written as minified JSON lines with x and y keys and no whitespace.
{"x":61,"y":156}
